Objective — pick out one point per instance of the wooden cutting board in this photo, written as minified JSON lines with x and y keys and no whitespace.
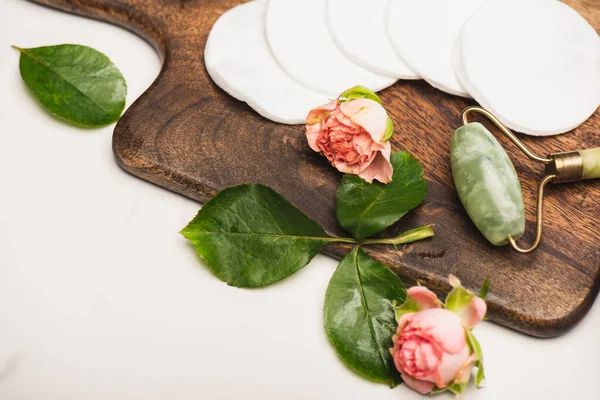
{"x":187,"y":135}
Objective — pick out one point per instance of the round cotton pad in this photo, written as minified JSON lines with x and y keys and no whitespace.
{"x":535,"y":64}
{"x":239,"y":60}
{"x":423,"y":33}
{"x":300,"y":41}
{"x":358,"y":28}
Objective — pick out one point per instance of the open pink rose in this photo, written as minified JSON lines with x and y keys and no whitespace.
{"x":430,"y":347}
{"x":351,"y":134}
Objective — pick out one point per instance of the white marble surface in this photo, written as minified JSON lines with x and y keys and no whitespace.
{"x":100,"y":298}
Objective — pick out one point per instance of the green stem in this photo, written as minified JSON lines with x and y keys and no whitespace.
{"x":414,"y":235}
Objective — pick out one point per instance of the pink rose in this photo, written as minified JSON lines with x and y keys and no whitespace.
{"x":430,"y":347}
{"x":352,"y":135}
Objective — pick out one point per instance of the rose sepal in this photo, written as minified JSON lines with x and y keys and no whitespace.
{"x":389,"y":130}
{"x":359,"y":92}
{"x":476,"y":349}
{"x":467,"y":305}
{"x":409,"y":306}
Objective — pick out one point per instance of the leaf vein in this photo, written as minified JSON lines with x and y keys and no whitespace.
{"x":366,"y":210}
{"x":367,"y":312}
{"x":274,"y":235}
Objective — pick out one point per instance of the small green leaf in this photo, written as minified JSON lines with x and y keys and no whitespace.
{"x":75,"y":83}
{"x":360,"y":92}
{"x":365,"y":209}
{"x":359,"y":317}
{"x":389,"y":130}
{"x":485,"y":288}
{"x":251,"y":236}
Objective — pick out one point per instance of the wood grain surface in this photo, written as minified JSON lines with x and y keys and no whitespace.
{"x":187,"y":135}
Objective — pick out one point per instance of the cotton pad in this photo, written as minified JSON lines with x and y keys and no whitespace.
{"x":300,"y":41}
{"x":423,"y":33}
{"x":358,"y":29}
{"x":535,"y":64}
{"x":239,"y":60}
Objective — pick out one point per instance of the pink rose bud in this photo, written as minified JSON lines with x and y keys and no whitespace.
{"x":352,"y":135}
{"x":431,"y":351}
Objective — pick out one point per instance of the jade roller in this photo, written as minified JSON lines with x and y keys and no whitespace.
{"x":488,"y":186}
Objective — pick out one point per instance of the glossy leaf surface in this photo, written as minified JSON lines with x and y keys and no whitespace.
{"x":359,"y":315}
{"x":75,"y":83}
{"x":365,"y":209}
{"x":251,"y":236}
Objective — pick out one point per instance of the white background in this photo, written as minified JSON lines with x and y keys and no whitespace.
{"x":101,"y":298}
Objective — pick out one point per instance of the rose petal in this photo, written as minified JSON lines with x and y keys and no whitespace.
{"x":404,"y":320}
{"x":363,"y":143}
{"x":312,"y":135}
{"x":426,"y":358}
{"x":369,"y":114}
{"x":464,"y":374}
{"x":450,"y":366}
{"x":380,"y":168}
{"x":318,"y":114}
{"x":424,"y":297}
{"x":417,"y":385}
{"x":443,"y":326}
{"x":474,"y":312}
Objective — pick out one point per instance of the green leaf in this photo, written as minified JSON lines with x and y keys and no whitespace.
{"x":365,"y":209}
{"x":251,"y":236}
{"x":389,"y":130}
{"x":75,"y":83}
{"x":359,"y":316}
{"x":360,"y":92}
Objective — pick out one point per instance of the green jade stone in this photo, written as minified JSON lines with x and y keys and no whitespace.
{"x":591,"y":163}
{"x":487,"y":184}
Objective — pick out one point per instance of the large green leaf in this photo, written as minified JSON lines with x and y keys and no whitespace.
{"x":365,"y":209}
{"x":251,"y":236}
{"x":76,"y":83}
{"x":359,"y":315}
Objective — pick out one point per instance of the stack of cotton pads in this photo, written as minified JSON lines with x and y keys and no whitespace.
{"x":534,"y":63}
